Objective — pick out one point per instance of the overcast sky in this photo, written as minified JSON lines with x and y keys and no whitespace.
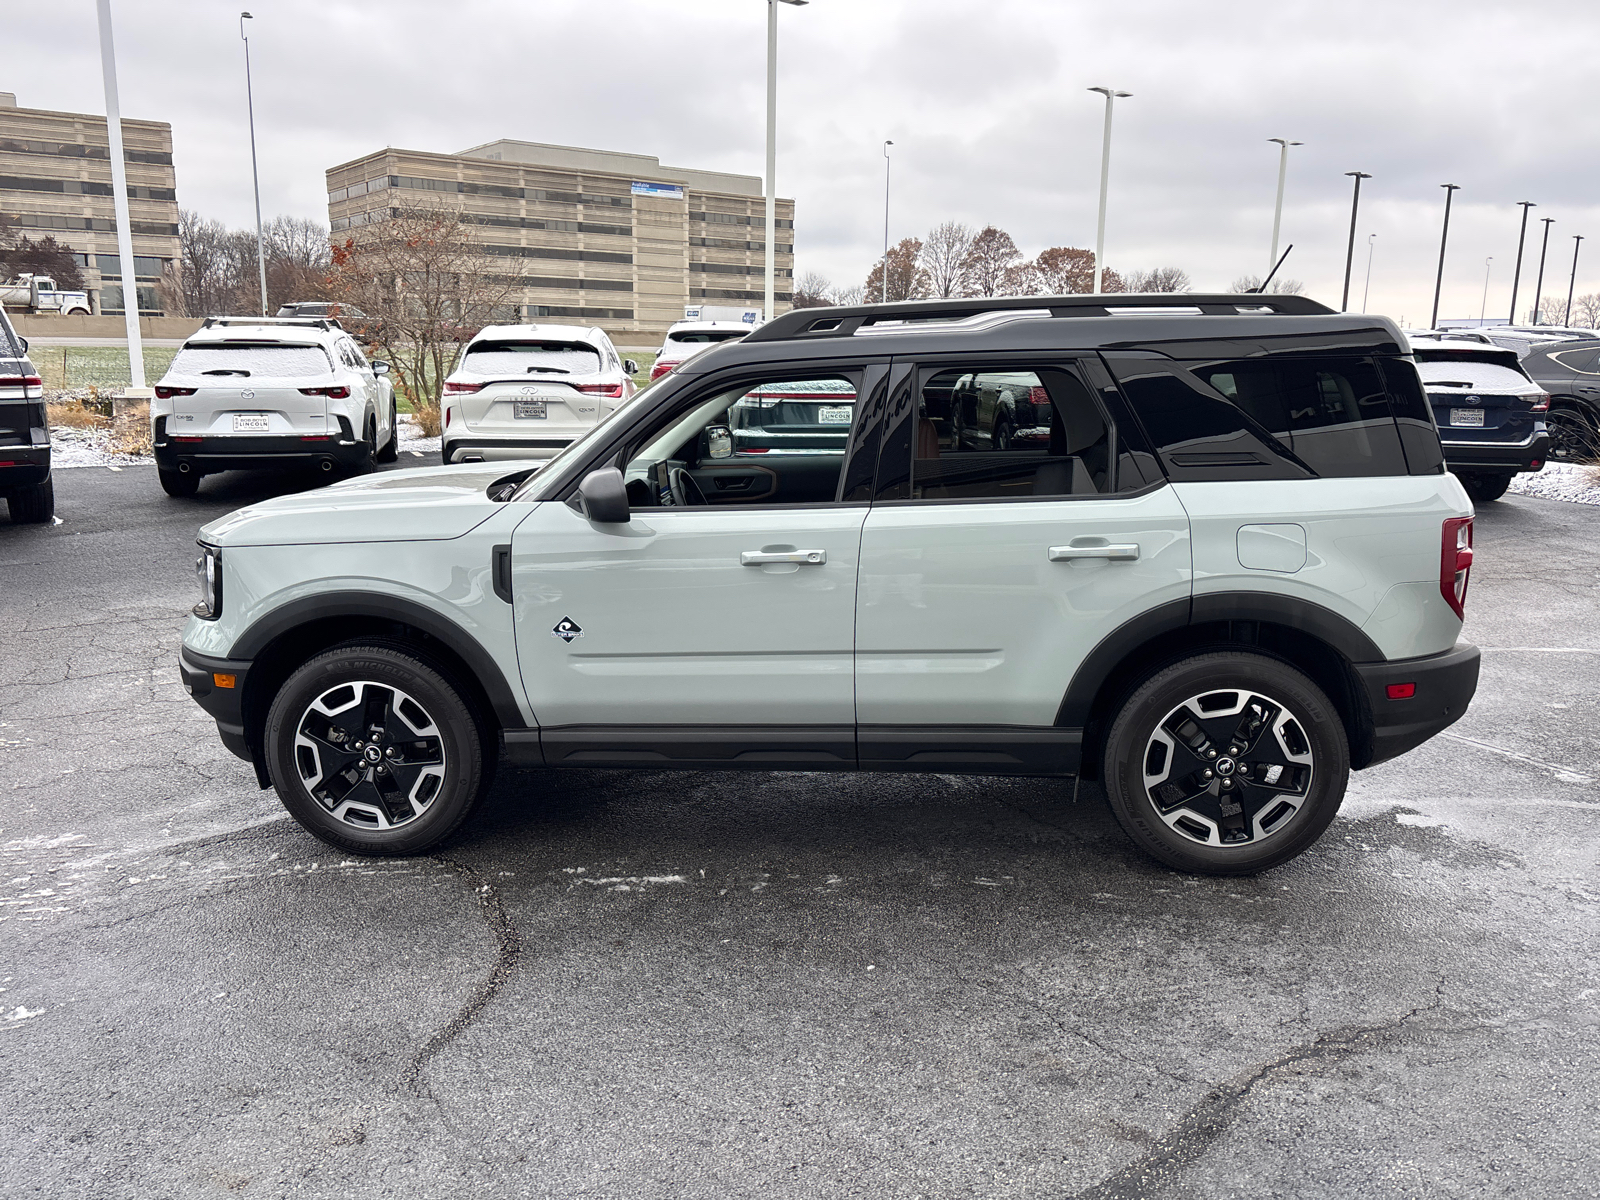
{"x":984,"y":99}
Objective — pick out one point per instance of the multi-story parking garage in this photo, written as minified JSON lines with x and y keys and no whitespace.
{"x":592,"y":236}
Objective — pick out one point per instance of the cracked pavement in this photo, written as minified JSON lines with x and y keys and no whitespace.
{"x":706,"y":985}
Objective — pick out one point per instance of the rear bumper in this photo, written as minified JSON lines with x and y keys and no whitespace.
{"x":1445,"y":684}
{"x":1497,"y":457}
{"x":224,"y":704}
{"x":284,"y":452}
{"x":23,"y":466}
{"x":505,"y":449}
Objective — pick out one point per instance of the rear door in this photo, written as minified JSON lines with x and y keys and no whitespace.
{"x":250,"y":388}
{"x":989,"y":574}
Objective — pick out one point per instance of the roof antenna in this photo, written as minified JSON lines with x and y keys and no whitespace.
{"x":1270,"y":273}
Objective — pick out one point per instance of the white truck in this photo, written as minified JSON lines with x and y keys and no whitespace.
{"x":722,"y":312}
{"x":39,"y":294}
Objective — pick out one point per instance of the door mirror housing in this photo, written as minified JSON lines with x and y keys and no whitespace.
{"x":719,"y":441}
{"x":631,"y":367}
{"x":603,"y":497}
{"x":379,"y":367}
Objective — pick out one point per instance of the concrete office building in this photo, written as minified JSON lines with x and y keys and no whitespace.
{"x":592,"y":237}
{"x":55,"y":179}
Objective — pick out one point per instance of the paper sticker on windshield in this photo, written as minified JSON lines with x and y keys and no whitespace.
{"x":566,"y":629}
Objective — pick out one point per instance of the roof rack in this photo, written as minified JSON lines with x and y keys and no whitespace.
{"x":919,"y":316}
{"x":300,"y":322}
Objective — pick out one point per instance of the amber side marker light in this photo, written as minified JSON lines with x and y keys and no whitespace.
{"x":1396,"y":691}
{"x":228,"y":681}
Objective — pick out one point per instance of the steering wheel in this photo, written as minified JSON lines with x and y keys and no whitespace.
{"x":686,"y":492}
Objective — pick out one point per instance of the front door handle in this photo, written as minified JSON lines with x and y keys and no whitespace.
{"x":806,"y":558}
{"x":1127,"y":552}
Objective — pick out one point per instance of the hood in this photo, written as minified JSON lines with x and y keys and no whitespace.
{"x":425,"y":504}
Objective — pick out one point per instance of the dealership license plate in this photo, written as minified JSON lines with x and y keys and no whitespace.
{"x":250,"y":422}
{"x":835,"y":414}
{"x":530,"y":410}
{"x":1467,"y":416}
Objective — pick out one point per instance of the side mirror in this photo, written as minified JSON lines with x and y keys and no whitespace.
{"x":719,"y":441}
{"x":603,"y":497}
{"x":24,"y":343}
{"x":379,"y":367}
{"x":631,"y":367}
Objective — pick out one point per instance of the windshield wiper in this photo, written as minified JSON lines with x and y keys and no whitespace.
{"x":557,"y":370}
{"x":225,"y":371}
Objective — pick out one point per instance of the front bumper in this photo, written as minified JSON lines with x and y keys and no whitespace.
{"x":1444,"y":685}
{"x":1497,"y":457}
{"x":225,"y":704}
{"x":504,"y":449}
{"x":284,"y":452}
{"x":23,"y":466}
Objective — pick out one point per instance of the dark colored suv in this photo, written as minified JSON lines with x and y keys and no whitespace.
{"x":24,"y":433}
{"x":1570,"y":372}
{"x":1491,"y":415}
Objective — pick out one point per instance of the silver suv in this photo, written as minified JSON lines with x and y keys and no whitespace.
{"x":1223,"y":567}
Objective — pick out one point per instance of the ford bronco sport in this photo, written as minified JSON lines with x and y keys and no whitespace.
{"x":1229,"y":569}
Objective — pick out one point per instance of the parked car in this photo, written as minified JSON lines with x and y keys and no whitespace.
{"x":1235,"y":570}
{"x":1570,"y":372}
{"x":267,"y":392}
{"x":1489,"y":412}
{"x":24,"y":433}
{"x":527,"y":391}
{"x":347,"y":316}
{"x":685,"y":339}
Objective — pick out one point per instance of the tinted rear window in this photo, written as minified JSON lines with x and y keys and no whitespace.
{"x":251,"y":360}
{"x":531,"y":358}
{"x":702,"y":338}
{"x":10,"y":345}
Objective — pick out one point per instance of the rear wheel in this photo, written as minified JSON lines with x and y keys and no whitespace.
{"x":375,"y":750}
{"x":33,"y":504}
{"x":1484,"y":488}
{"x":1573,"y":435}
{"x":1226,"y":764}
{"x":391,"y":448}
{"x":176,"y":483}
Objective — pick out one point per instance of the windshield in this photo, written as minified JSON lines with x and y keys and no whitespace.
{"x":565,"y":455}
{"x":249,"y":360}
{"x":1466,"y":371}
{"x":531,"y":358}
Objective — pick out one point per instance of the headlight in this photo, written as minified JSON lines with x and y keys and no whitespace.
{"x":208,"y":572}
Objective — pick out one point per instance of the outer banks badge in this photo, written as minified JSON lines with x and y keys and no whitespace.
{"x":566,"y":629}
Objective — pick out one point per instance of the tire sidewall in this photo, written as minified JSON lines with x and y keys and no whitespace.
{"x":462,"y":739}
{"x":1163,"y":691}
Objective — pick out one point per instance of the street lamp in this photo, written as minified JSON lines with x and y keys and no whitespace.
{"x":772,"y":153}
{"x":884,"y":281}
{"x":1577,"y":240}
{"x":1483,"y":305}
{"x":1450,"y":190}
{"x":1367,"y":287}
{"x":1277,"y":211}
{"x":255,"y":174}
{"x":1516,"y":274}
{"x":119,"y":199}
{"x":1350,"y":251}
{"x":1538,"y":288}
{"x":1111,"y":96}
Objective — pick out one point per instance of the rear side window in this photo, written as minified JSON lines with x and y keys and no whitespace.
{"x":1413,"y":416}
{"x":552,"y":359}
{"x":1586,"y":361}
{"x":250,"y":360}
{"x":10,"y":345}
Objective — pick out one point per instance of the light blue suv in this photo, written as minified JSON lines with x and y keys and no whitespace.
{"x":1224,"y":567}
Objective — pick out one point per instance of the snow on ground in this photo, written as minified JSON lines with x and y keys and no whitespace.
{"x":1561,"y":481}
{"x":91,"y":447}
{"x":411,"y":437}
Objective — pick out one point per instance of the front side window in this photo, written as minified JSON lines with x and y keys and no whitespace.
{"x":250,"y":360}
{"x":551,"y":359}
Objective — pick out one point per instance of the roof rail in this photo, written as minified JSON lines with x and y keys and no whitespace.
{"x":916,"y":316}
{"x":300,"y":322}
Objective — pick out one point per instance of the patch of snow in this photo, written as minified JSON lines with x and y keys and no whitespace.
{"x":71,"y":447}
{"x":1560,"y":481}
{"x":22,"y":1014}
{"x":1418,"y":820}
{"x":411,"y":437}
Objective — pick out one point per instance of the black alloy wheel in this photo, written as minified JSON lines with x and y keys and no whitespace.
{"x":1226,"y":763}
{"x":376,"y":751}
{"x":1574,"y":436}
{"x":34,"y":504}
{"x":178,"y":483}
{"x":1002,"y":434}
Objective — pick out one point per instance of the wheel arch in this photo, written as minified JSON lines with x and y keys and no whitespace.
{"x":1314,"y":640}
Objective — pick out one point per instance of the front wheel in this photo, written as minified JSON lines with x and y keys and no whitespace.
{"x":375,"y":751}
{"x":1226,"y":763}
{"x":33,"y":505}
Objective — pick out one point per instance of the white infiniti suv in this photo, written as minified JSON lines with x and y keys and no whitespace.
{"x":687,"y":338}
{"x":528,"y":391}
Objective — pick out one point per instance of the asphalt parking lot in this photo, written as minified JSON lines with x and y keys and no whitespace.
{"x":701,"y":985}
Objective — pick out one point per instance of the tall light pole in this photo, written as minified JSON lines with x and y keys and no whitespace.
{"x":883,"y":296}
{"x":1111,"y":96}
{"x":1538,"y":288}
{"x":1577,"y":240}
{"x":119,"y":198}
{"x":1367,"y":287}
{"x":255,"y":174}
{"x":1450,"y":190}
{"x":1350,"y":250}
{"x":1516,"y":274}
{"x":1277,"y":210}
{"x":772,"y":155}
{"x":1483,"y":305}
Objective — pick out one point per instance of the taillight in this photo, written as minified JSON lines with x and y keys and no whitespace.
{"x":1455,"y":562}
{"x":1541,"y":402}
{"x":333,"y":393}
{"x":31,"y":385}
{"x":661,"y":368}
{"x":461,"y":389}
{"x":610,"y":391}
{"x":167,"y":393}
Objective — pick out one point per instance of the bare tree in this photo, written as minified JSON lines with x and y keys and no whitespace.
{"x":298,"y":257}
{"x":428,"y":285}
{"x":44,"y":256}
{"x":942,"y":254}
{"x":1159,"y":279}
{"x":1282,"y":287}
{"x":812,"y":290}
{"x":846,"y":296}
{"x":1586,"y":311}
{"x":906,"y":280}
{"x":984,"y":266}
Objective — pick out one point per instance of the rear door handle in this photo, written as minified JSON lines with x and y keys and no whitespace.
{"x":806,"y":558}
{"x":1127,"y":552}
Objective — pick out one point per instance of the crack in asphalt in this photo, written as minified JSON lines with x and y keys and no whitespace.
{"x":509,"y":943}
{"x":1178,"y":1149}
